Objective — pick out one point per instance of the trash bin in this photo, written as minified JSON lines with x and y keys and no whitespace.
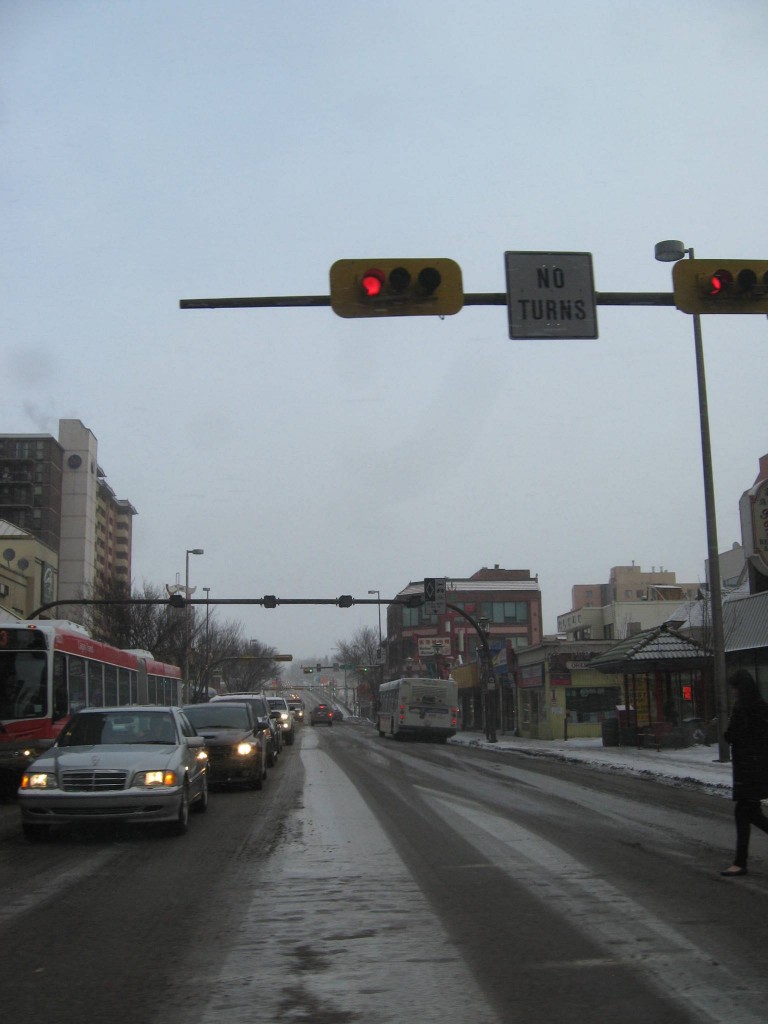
{"x":610,"y":731}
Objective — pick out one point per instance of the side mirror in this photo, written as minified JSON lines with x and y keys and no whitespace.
{"x":195,"y":742}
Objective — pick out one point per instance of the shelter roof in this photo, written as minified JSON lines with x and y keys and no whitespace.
{"x":660,"y":647}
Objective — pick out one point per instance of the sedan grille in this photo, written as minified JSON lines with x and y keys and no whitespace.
{"x":90,"y":780}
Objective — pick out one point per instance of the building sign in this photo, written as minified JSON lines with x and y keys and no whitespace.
{"x":760,"y":522}
{"x":431,"y":645}
{"x":531,"y":675}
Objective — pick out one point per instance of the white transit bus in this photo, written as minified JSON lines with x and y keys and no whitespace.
{"x":422,"y":708}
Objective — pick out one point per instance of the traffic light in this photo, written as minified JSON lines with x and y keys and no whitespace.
{"x":721,"y":286}
{"x":307,"y":670}
{"x":282,"y":657}
{"x":421,"y":287}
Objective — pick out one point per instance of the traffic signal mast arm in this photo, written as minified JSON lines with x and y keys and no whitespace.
{"x":470,"y":299}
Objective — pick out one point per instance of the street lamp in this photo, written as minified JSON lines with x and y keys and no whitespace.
{"x":185,"y":675}
{"x":670,"y":251}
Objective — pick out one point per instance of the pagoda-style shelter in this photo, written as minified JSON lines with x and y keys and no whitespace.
{"x":668,"y":692}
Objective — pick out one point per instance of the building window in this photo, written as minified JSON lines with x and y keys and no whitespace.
{"x":410,"y":617}
{"x":504,"y":611}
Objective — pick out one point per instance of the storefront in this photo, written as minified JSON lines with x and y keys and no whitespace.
{"x":559,"y":695}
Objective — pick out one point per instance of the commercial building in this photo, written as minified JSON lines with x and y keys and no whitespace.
{"x":505,"y":603}
{"x":628,"y":603}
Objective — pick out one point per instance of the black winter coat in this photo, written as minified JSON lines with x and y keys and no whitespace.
{"x":747,"y":734}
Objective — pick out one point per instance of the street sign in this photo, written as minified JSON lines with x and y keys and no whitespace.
{"x":434,"y":596}
{"x":550,"y":295}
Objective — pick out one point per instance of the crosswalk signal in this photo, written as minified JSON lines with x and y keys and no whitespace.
{"x":396,"y":287}
{"x":721,"y":286}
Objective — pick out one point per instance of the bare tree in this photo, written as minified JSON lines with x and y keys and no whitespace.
{"x":361,"y":652}
{"x":165,"y":632}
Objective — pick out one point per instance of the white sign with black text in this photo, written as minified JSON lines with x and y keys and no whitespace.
{"x":550,"y":295}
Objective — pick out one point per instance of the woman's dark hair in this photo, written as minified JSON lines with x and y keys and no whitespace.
{"x":747,"y":689}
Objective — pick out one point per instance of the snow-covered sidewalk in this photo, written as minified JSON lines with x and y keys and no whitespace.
{"x":698,"y":764}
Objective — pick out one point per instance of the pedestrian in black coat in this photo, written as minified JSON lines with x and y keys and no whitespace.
{"x":747,"y":734}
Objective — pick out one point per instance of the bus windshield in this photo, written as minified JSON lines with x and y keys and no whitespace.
{"x":22,"y":684}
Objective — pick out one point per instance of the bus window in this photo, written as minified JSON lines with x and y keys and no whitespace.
{"x":110,"y":686}
{"x":29,"y":699}
{"x":77,"y":693}
{"x":60,"y":702}
{"x":125,"y":686}
{"x":95,"y":685}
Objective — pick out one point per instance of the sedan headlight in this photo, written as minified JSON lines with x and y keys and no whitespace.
{"x":244,"y":749}
{"x":155,"y":779}
{"x":38,"y":780}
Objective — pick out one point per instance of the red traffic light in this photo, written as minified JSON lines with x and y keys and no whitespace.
{"x":396,"y":287}
{"x":719,"y":281}
{"x":372,"y":283}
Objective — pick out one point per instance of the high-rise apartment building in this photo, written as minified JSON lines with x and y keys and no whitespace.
{"x":56,"y":491}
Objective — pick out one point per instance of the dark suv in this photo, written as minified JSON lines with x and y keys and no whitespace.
{"x":322,"y":713}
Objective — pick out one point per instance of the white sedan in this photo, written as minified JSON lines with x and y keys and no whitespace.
{"x":131,"y":764}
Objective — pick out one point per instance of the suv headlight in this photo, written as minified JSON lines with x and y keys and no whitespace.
{"x":39,"y":780}
{"x":155,"y":779}
{"x":244,"y":749}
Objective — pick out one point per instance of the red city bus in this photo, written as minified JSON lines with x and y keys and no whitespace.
{"x":51,"y":669}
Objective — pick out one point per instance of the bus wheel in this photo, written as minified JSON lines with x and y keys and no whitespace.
{"x":35,"y":833}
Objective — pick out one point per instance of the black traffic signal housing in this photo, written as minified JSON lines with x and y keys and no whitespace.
{"x":307,"y":670}
{"x":721,"y":286}
{"x":396,"y":287}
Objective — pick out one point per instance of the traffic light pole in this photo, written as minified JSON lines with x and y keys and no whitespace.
{"x":471,"y":299}
{"x":488,"y":683}
{"x":715,"y":586}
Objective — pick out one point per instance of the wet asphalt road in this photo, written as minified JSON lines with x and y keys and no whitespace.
{"x":379,"y":881}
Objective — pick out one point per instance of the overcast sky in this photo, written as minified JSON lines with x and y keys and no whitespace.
{"x":155,"y":150}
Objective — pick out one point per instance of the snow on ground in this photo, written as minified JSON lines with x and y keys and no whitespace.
{"x":697,"y":765}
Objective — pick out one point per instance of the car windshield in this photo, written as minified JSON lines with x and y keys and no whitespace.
{"x":107,"y":728}
{"x":218,"y":716}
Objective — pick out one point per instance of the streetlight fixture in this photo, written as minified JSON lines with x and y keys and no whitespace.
{"x":185,"y":675}
{"x":670,"y":251}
